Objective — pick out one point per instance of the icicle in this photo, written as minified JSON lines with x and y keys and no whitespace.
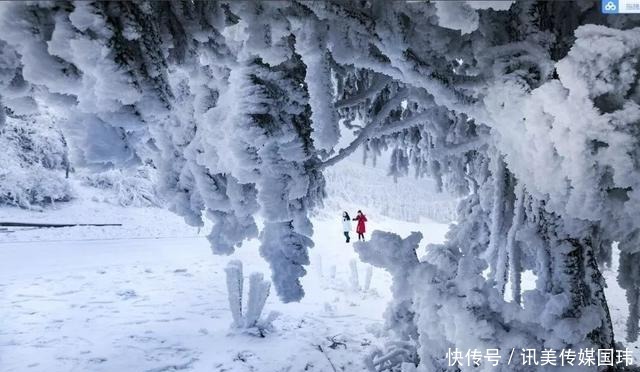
{"x":513,"y":248}
{"x":310,"y":44}
{"x":496,"y":252}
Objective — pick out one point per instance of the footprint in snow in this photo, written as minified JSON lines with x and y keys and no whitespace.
{"x":97,"y":360}
{"x":182,"y":272}
{"x":243,"y":356}
{"x":127,"y":294}
{"x":144,"y":339}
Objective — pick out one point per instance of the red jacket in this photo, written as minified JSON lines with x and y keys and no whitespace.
{"x":360,"y":229}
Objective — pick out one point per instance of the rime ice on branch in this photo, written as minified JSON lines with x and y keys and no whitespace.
{"x":240,"y":105}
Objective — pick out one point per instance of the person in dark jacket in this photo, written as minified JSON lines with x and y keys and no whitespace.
{"x":360,"y":228}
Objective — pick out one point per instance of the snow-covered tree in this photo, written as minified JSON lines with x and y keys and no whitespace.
{"x":34,"y":153}
{"x":527,"y":110}
{"x":34,"y":162}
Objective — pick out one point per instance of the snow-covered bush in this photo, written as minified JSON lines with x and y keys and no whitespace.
{"x":31,"y":186}
{"x":398,"y":256}
{"x":34,"y":164}
{"x":250,"y":320}
{"x":397,"y":356}
{"x":125,"y":188}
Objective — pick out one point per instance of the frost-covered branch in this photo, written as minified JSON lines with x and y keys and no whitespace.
{"x":372,"y":127}
{"x":366,"y":94}
{"x":237,"y":106}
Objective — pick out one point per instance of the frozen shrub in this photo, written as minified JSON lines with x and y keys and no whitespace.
{"x":125,"y":188}
{"x":36,"y":185}
{"x":249,"y":320}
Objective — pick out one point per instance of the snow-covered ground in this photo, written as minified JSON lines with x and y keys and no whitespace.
{"x":150,"y":296}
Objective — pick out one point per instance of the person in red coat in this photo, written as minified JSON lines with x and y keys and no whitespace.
{"x":360,"y":228}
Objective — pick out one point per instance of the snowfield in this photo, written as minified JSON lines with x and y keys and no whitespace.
{"x":150,"y":296}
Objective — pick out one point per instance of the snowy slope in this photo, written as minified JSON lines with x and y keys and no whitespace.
{"x":357,"y":185}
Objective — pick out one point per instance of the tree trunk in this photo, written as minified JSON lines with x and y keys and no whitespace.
{"x":575,"y":272}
